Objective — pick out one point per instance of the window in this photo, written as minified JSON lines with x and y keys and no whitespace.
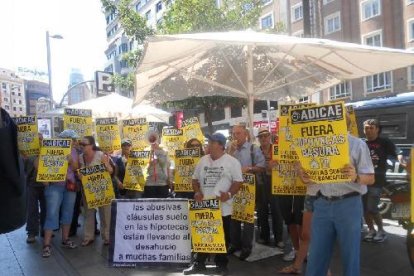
{"x":123,"y":48}
{"x":19,"y":94}
{"x":235,"y":111}
{"x":14,"y":108}
{"x":218,"y":114}
{"x":410,"y":76}
{"x":4,"y":85}
{"x":158,"y":6}
{"x":21,"y":109}
{"x":266,"y":2}
{"x":123,"y":64}
{"x":138,"y":6}
{"x":266,"y":22}
{"x":370,"y":8}
{"x":148,"y":15}
{"x":333,"y":23}
{"x":378,"y":82}
{"x":410,"y":30}
{"x":304,"y":99}
{"x":296,"y":12}
{"x":20,"y":101}
{"x":341,"y":90}
{"x":7,"y":107}
{"x":373,"y":39}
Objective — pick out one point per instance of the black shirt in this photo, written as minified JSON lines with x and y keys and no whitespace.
{"x":380,"y":149}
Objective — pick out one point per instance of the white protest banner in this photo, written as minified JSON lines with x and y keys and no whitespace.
{"x":149,"y":231}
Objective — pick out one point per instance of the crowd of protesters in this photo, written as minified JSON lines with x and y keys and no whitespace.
{"x":315,"y":221}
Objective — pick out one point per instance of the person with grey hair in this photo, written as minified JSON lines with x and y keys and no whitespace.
{"x":380,"y":149}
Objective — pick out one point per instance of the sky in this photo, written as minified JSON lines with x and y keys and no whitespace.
{"x":23,"y":26}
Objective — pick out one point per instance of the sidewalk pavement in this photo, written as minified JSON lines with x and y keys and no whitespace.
{"x":19,"y":258}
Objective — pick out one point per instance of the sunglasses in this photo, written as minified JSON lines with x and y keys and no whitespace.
{"x":84,"y":144}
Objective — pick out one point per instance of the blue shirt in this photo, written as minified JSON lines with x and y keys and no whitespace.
{"x":243,"y":154}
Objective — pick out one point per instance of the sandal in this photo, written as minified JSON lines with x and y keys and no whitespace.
{"x":87,"y":242}
{"x":47,"y":251}
{"x":69,"y":244}
{"x":290,"y":270}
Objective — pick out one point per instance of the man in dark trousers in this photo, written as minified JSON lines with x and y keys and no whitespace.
{"x":380,"y":149}
{"x":12,"y":177}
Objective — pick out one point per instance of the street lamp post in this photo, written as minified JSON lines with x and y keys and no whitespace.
{"x":49,"y":66}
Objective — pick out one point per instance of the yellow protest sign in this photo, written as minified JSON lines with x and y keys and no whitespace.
{"x":27,"y":135}
{"x":320,"y":137}
{"x":79,"y":120}
{"x":244,"y":200}
{"x":353,"y":124}
{"x":107,"y":134}
{"x":185,"y":162}
{"x":97,"y":186}
{"x":285,"y":180}
{"x":172,"y":139}
{"x":53,"y":160}
{"x":136,"y":170}
{"x":191,"y":129}
{"x":136,"y":131}
{"x":207,"y":233}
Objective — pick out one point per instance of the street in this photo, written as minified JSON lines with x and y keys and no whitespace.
{"x":19,"y":258}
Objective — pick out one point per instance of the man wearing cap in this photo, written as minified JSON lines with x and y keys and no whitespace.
{"x":380,"y":149}
{"x":265,"y":197}
{"x":252,"y":161}
{"x":216,"y":175}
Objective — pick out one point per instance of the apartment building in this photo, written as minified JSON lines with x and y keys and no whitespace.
{"x":35,"y":90}
{"x":383,"y":23}
{"x":12,"y":93}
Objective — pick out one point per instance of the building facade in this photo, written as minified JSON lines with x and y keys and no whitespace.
{"x":35,"y":90}
{"x":12,"y":93}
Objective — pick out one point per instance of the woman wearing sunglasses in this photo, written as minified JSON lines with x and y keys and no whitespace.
{"x":91,"y":156}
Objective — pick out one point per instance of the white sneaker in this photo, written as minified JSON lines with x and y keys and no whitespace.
{"x":290,"y":256}
{"x":380,"y":236}
{"x":370,"y":236}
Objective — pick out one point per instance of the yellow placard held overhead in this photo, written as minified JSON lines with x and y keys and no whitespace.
{"x":244,"y":200}
{"x":206,"y":223}
{"x":185,"y":162}
{"x":285,"y":180}
{"x":191,"y":129}
{"x":79,"y":120}
{"x":136,"y":130}
{"x":27,"y":135}
{"x":172,"y":139}
{"x":353,"y":125}
{"x":136,"y":170}
{"x":320,"y":137}
{"x":53,"y":160}
{"x":97,"y":186}
{"x":107,"y":134}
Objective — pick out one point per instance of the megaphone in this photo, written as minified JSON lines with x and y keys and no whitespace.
{"x":152,"y":137}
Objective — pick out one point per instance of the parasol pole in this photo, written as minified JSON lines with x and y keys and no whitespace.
{"x":250,"y":88}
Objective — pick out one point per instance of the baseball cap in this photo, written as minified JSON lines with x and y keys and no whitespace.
{"x":126,"y":141}
{"x":263,"y":131}
{"x":68,"y":133}
{"x":217,"y":137}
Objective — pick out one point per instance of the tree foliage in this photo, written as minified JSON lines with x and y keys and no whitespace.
{"x":184,"y":16}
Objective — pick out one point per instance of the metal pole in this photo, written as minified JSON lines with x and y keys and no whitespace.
{"x":49,"y":69}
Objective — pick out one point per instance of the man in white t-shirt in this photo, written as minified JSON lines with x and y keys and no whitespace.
{"x":217,"y":175}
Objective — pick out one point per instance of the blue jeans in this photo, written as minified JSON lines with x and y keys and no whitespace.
{"x":335,"y":220}
{"x":58,"y":199}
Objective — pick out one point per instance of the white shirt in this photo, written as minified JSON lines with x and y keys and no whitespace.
{"x":217,"y":176}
